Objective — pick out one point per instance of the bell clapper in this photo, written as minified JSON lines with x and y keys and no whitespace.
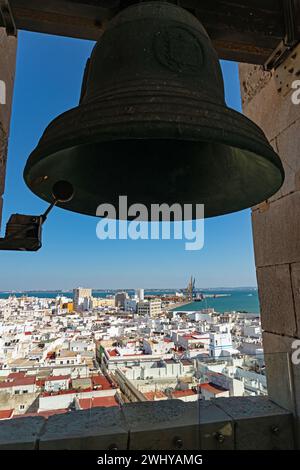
{"x":45,"y":215}
{"x":62,"y":191}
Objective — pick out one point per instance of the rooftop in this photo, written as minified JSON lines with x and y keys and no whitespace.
{"x":151,"y":396}
{"x":213,"y":388}
{"x":183,"y":393}
{"x":54,"y":378}
{"x":6,"y":414}
{"x":87,"y":403}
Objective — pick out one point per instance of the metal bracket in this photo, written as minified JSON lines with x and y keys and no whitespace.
{"x":291,"y":11}
{"x":7,"y":18}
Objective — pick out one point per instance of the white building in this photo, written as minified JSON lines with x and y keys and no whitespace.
{"x":139,"y":294}
{"x":157,"y":346}
{"x":57,"y":383}
{"x":221,"y":345}
{"x":82,"y":298}
{"x":193,"y":340}
{"x":150,"y":308}
{"x":234,"y":386}
{"x":130,"y":305}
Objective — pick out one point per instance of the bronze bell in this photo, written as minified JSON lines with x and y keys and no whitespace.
{"x":153,"y":124}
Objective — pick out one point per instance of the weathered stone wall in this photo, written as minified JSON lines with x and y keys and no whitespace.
{"x":276,"y":231}
{"x":8,"y":46}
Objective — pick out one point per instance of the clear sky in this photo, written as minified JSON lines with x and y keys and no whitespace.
{"x":48,"y":81}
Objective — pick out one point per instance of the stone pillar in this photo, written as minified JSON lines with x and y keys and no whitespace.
{"x":276,"y":232}
{"x":8,"y":46}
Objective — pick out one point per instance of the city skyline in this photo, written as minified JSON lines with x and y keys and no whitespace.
{"x":122,"y":288}
{"x":48,"y":81}
{"x":64,"y":354}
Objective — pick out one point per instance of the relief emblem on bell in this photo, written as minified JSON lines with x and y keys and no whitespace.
{"x":178,"y":49}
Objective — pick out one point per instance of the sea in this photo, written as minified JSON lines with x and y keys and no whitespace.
{"x":242,"y":300}
{"x":245,"y":301}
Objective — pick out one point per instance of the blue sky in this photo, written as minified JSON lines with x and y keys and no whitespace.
{"x":48,"y":81}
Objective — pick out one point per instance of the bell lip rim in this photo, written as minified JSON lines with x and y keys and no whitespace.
{"x":280,"y":170}
{"x":61,"y":205}
{"x":271,"y":156}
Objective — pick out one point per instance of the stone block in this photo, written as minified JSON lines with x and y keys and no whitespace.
{"x":95,"y":429}
{"x":161,"y":425}
{"x":1,"y":207}
{"x":276,"y":231}
{"x":268,"y":108}
{"x":216,"y":427}
{"x":8,"y":47}
{"x":3,"y":156}
{"x":295,"y":273}
{"x":288,"y":145}
{"x":283,"y":376}
{"x":288,"y":148}
{"x":276,"y":299}
{"x":20,"y":433}
{"x":260,"y":424}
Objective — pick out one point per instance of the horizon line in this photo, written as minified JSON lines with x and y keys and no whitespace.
{"x":125,"y":289}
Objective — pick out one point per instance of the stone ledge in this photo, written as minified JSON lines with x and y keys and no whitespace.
{"x":260,"y":424}
{"x":21,"y":433}
{"x":224,"y":423}
{"x":85,"y":430}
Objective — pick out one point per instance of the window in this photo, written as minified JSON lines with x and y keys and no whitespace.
{"x":21,"y":407}
{"x":17,"y":392}
{"x":25,"y":391}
